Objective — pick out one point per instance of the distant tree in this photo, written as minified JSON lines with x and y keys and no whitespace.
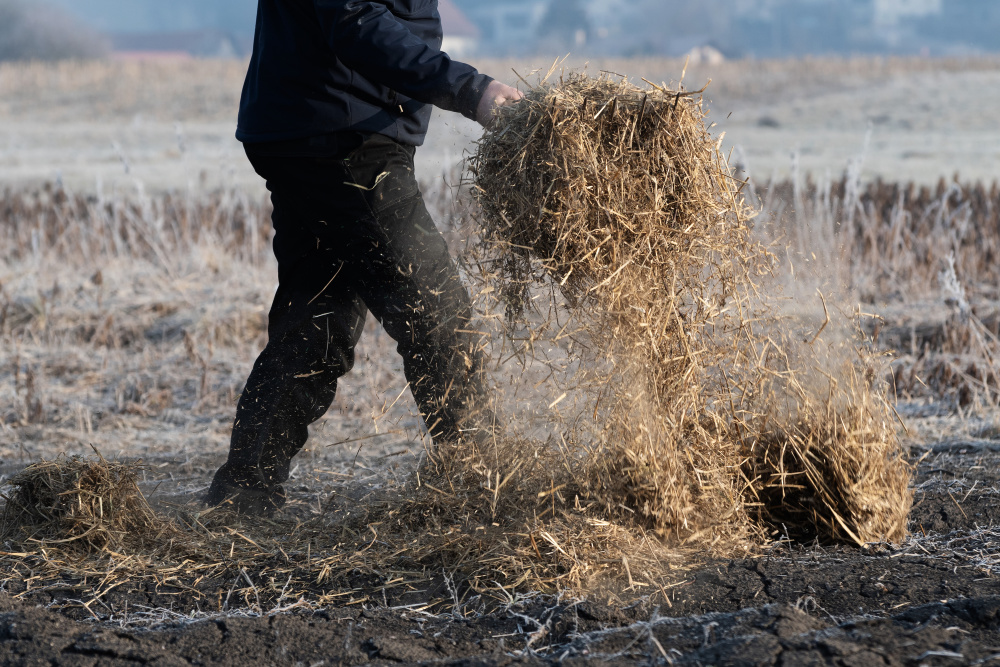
{"x":32,"y":30}
{"x":564,"y":20}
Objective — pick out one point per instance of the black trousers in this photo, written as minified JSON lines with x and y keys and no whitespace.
{"x":352,"y":235}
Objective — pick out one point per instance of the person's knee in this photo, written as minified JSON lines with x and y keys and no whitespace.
{"x":339,"y":358}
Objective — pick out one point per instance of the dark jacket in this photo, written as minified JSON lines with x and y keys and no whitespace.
{"x":325,"y":66}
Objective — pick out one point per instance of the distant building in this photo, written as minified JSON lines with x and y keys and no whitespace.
{"x":705,"y":55}
{"x":591,"y":28}
{"x":461,"y":39}
{"x":461,"y":36}
{"x":115,"y":17}
{"x":893,"y":19}
{"x":782,"y":28}
{"x":609,"y":20}
{"x":564,"y":27}
{"x":893,"y":12}
{"x":507,"y":27}
{"x":961,"y":26}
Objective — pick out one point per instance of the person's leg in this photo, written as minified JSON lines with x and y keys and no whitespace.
{"x":410,"y":283}
{"x":313,"y":326}
{"x":356,"y":233}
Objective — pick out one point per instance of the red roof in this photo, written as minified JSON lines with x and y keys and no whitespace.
{"x":456,"y":24}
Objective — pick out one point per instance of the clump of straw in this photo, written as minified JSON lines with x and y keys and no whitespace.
{"x":824,"y":455}
{"x":596,"y":178}
{"x":618,"y":197}
{"x":93,"y":505}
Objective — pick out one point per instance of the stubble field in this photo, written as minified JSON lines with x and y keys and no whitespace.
{"x":133,"y":300}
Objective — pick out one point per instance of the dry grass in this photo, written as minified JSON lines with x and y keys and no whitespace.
{"x":689,"y":415}
{"x":620,"y":197}
{"x":648,"y":266}
{"x":822,"y":437}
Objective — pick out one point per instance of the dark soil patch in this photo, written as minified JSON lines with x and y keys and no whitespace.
{"x":955,"y":632}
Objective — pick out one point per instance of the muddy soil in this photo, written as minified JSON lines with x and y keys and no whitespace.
{"x":954,"y":632}
{"x":935,"y":600}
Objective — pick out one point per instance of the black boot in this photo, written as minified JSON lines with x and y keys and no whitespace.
{"x":229,"y":493}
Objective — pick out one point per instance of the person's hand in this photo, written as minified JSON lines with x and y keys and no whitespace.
{"x":497,"y":95}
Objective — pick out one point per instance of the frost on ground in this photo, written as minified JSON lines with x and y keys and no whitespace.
{"x":132,"y":329}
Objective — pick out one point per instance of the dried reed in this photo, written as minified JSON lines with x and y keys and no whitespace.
{"x":897,"y":244}
{"x":158,"y":229}
{"x":890,"y":239}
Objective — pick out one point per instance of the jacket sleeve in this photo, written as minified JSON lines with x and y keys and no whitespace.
{"x":370,"y":40}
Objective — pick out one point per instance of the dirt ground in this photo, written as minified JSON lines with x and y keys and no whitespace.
{"x":147,"y":361}
{"x":933,"y":600}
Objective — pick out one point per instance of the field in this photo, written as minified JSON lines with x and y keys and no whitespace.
{"x":135,"y":277}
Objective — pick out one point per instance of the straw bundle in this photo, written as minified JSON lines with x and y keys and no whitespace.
{"x":91,"y":505}
{"x":595,"y":178}
{"x":618,"y":197}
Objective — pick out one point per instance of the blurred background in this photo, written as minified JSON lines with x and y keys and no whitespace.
{"x":628,"y":28}
{"x":894,"y":89}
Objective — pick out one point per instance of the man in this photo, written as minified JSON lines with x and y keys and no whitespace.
{"x":335,"y":101}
